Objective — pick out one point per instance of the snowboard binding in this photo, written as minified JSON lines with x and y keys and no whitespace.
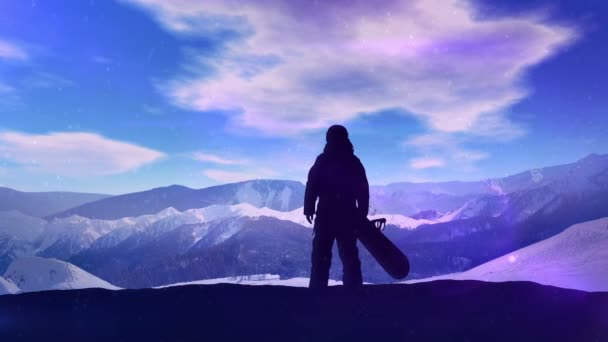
{"x":380,"y":223}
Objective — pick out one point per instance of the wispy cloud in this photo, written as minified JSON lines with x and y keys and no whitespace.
{"x":425,"y":163}
{"x":217,"y":159}
{"x":450,"y":149}
{"x":10,"y":50}
{"x":431,"y":140}
{"x":74,"y":153}
{"x":300,"y":65}
{"x":5,"y":88}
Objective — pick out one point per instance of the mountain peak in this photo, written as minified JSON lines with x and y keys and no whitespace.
{"x":176,"y":187}
{"x":168,"y":212}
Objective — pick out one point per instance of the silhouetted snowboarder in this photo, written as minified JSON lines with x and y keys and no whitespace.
{"x":338,"y":180}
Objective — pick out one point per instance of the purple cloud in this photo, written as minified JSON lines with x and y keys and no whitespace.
{"x":337,"y":60}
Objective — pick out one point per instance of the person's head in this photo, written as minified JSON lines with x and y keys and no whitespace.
{"x":336,"y":133}
{"x":337,"y":141}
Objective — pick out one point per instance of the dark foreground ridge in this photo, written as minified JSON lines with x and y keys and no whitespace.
{"x":440,"y":311}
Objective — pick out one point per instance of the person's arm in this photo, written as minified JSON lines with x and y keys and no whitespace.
{"x":312,"y":192}
{"x":362,"y":191}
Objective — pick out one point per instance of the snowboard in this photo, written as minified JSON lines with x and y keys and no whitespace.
{"x":389,"y":256}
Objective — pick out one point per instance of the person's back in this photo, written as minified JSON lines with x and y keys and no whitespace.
{"x":338,"y":180}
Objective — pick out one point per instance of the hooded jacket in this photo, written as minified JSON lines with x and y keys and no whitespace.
{"x":338,"y":180}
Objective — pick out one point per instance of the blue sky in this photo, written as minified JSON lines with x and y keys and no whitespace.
{"x":120,"y":96}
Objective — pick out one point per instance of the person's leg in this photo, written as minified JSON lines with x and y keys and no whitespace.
{"x":322,"y":244}
{"x":349,"y":254}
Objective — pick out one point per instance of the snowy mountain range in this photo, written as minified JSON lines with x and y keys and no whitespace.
{"x":408,"y":199}
{"x":274,"y":194}
{"x":577,"y":258}
{"x":177,"y":234}
{"x":65,"y":237}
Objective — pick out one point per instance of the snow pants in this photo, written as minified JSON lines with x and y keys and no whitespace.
{"x":325,"y":232}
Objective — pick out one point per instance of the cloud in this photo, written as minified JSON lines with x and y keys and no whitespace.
{"x":431,"y":140}
{"x":216,"y":159}
{"x":5,"y":88}
{"x":425,"y":163}
{"x":74,"y":153}
{"x":10,"y":50}
{"x":300,"y":65}
{"x":225,"y":176}
{"x":451,"y":149}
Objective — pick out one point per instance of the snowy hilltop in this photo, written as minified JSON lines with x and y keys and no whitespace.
{"x":577,"y":258}
{"x":39,"y":274}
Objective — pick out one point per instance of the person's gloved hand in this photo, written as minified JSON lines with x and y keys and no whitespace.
{"x":310,"y":218}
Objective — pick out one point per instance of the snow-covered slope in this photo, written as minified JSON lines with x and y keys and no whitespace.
{"x":130,"y":238}
{"x":7,"y":287}
{"x":131,"y":226}
{"x":487,"y":205}
{"x":41,"y":274}
{"x":244,"y":210}
{"x":216,"y":212}
{"x":577,"y":258}
{"x":256,"y":279}
{"x":64,"y":237}
{"x":295,"y":216}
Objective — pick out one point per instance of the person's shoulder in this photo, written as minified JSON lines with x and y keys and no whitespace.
{"x":357,"y":163}
{"x":321,"y":157}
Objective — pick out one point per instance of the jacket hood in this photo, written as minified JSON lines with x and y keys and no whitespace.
{"x":338,"y":142}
